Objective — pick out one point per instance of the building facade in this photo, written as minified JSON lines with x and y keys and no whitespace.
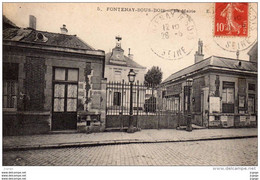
{"x":48,"y":80}
{"x":118,"y":65}
{"x":223,"y":93}
{"x":116,"y":71}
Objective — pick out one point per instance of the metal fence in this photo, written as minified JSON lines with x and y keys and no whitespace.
{"x":118,"y":98}
{"x":152,"y":107}
{"x":147,"y":99}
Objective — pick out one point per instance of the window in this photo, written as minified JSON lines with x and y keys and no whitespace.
{"x":118,"y":76}
{"x":63,"y":74}
{"x":172,"y":103}
{"x":176,"y":104}
{"x":10,"y":86}
{"x":60,"y":74}
{"x":228,"y":97}
{"x":10,"y":94}
{"x":251,"y":103}
{"x":65,"y":90}
{"x":169,"y":104}
{"x":241,"y":101}
{"x":163,"y":94}
{"x":72,"y":75}
{"x":251,"y":87}
{"x":117,"y":98}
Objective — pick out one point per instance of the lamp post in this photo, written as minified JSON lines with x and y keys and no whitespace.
{"x":189,"y":82}
{"x":131,"y":78}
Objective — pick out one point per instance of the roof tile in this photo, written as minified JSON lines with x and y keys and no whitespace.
{"x":54,"y":39}
{"x":214,"y":61}
{"x":129,"y":62}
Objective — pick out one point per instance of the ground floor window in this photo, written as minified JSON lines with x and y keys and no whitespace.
{"x":172,"y":103}
{"x":117,"y":99}
{"x":228,"y":97}
{"x":10,"y":92}
{"x":176,"y":103}
{"x":251,"y":103}
{"x":10,"y":85}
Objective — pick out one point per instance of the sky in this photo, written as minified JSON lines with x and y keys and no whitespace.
{"x":99,"y":23}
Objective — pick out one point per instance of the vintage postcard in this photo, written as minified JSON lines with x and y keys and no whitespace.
{"x":130,"y":84}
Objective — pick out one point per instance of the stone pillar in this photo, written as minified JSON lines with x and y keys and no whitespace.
{"x":103,"y":103}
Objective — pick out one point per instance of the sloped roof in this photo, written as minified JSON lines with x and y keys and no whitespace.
{"x":129,"y":62}
{"x":215,"y":61}
{"x":8,"y":23}
{"x":54,"y":39}
{"x":253,"y":49}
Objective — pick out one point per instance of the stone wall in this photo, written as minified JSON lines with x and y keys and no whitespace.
{"x":26,"y":123}
{"x":144,"y":121}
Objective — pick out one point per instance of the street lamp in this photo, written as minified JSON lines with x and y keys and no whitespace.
{"x":131,"y":78}
{"x":189,"y":82}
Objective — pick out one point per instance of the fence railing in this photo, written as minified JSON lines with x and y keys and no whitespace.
{"x":146,"y":99}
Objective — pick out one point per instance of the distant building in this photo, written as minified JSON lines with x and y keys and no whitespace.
{"x":48,"y":78}
{"x":116,"y":70}
{"x":224,"y":90}
{"x":118,"y":65}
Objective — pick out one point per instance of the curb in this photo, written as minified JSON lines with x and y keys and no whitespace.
{"x":114,"y":142}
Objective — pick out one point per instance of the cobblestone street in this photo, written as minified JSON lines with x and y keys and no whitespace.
{"x":239,"y":152}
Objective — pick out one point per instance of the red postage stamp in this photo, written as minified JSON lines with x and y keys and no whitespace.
{"x":231,"y":19}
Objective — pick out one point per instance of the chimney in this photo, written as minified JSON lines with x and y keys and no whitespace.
{"x":63,"y":29}
{"x":199,"y":54}
{"x":131,"y":56}
{"x":32,"y":22}
{"x":237,"y":53}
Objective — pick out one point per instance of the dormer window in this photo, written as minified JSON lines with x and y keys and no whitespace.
{"x":40,"y":37}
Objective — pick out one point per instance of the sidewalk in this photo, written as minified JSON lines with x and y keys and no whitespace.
{"x":107,"y":138}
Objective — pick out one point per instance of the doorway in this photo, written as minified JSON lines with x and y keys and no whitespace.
{"x":65,"y":95}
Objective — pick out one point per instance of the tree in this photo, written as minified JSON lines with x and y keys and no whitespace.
{"x":153,"y":77}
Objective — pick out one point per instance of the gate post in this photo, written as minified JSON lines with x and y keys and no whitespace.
{"x":122,"y":108}
{"x":137,"y":113}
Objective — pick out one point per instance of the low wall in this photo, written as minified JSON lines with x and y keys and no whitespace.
{"x":26,"y":123}
{"x":143,"y":122}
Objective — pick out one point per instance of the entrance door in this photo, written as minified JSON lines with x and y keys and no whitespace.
{"x":65,"y":92}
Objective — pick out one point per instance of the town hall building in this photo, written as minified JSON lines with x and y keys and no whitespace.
{"x":117,"y":67}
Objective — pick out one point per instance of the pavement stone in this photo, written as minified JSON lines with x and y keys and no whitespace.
{"x":151,"y":135}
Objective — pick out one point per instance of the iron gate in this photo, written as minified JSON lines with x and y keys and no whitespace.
{"x":151,"y":109}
